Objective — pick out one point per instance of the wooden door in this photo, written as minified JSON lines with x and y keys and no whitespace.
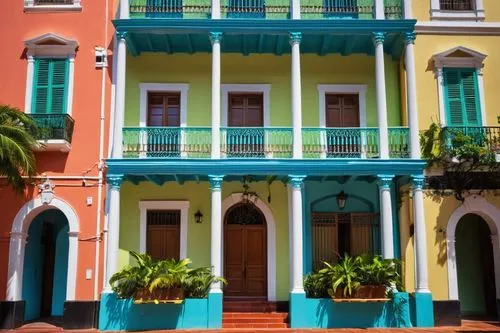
{"x":164,"y":110}
{"x":246,"y":110}
{"x":245,"y":252}
{"x":163,"y":234}
{"x":342,"y":110}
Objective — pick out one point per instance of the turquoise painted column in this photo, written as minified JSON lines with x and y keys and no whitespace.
{"x":423,"y":309}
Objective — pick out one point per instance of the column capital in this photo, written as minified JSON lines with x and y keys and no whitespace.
{"x":215,"y":182}
{"x":296,"y":180}
{"x":121,"y":34}
{"x":385,"y":181}
{"x":215,"y":37}
{"x":115,"y":181}
{"x":295,"y":38}
{"x":417,"y":182}
{"x":410,"y":37}
{"x":378,"y":38}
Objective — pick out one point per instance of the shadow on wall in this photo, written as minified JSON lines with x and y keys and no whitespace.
{"x":447,"y":206}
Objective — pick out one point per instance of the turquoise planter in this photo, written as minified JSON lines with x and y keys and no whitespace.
{"x":122,"y":314}
{"x":324,"y":313}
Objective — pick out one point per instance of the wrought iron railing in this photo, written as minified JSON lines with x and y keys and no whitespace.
{"x":54,"y":126}
{"x":52,"y":2}
{"x":399,"y":142}
{"x":174,"y":142}
{"x":256,"y":142}
{"x":456,"y":5}
{"x":393,"y":9}
{"x":337,"y":9}
{"x":170,"y":8}
{"x":487,"y":136}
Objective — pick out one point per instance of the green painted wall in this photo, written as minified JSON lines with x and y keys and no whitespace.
{"x":471,"y":232}
{"x":275,"y":70}
{"x":198,"y":247}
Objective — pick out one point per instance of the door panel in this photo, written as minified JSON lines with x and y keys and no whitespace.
{"x":234,"y":260}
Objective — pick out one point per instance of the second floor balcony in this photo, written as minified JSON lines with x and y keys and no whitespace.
{"x":261,"y":142}
{"x":263,"y":9}
{"x":55,"y":131}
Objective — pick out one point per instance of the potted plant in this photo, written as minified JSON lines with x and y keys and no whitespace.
{"x":198,"y":281}
{"x":316,"y":285}
{"x":133,"y":281}
{"x":167,"y":282}
{"x":343,"y":277}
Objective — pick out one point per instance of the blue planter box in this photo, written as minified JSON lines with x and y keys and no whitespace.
{"x":117,"y":314}
{"x":324,"y":313}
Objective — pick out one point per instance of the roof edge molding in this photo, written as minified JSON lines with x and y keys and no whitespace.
{"x":51,"y":45}
{"x":457,"y":57}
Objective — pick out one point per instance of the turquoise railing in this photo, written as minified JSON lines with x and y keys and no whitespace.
{"x":485,"y":136}
{"x":174,"y":142}
{"x":399,"y":142}
{"x":54,"y":126}
{"x":344,"y":142}
{"x":256,"y":142}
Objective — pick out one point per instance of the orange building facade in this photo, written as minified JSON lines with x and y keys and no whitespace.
{"x":52,"y":237}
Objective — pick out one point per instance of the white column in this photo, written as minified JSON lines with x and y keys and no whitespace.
{"x":29,"y":84}
{"x":16,"y":263}
{"x":295,"y":38}
{"x":215,"y":38}
{"x":124,"y":9}
{"x":71,"y":83}
{"x":295,"y":4}
{"x":411,"y":91}
{"x":290,"y":234}
{"x":378,"y":39}
{"x":216,"y":229}
{"x":407,"y":10}
{"x":379,"y":10}
{"x":387,"y":233}
{"x":121,"y":66}
{"x":114,"y":183}
{"x":296,"y":258}
{"x":438,"y":74}
{"x":420,"y":236}
{"x":215,"y":9}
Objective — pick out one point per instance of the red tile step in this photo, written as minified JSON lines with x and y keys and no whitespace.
{"x":249,"y":306}
{"x":254,"y":320}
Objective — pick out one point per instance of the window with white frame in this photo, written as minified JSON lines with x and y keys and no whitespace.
{"x":52,"y":5}
{"x":468,"y":10}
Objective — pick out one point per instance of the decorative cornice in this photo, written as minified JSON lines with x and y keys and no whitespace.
{"x":385,"y":181}
{"x":215,"y":37}
{"x":121,"y":35}
{"x":115,"y":181}
{"x":458,"y":28}
{"x":410,"y":37}
{"x":296,"y":180}
{"x":215,"y":182}
{"x":378,"y":38}
{"x":417,"y":182}
{"x":295,"y":38}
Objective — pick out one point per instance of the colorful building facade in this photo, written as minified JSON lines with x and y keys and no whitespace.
{"x":55,"y":69}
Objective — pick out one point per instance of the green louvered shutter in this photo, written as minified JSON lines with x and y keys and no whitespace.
{"x":461,"y":97}
{"x":50,"y":86}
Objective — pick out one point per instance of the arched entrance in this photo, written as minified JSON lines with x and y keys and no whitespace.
{"x":46,"y":265}
{"x":475,"y":267}
{"x":245,"y":251}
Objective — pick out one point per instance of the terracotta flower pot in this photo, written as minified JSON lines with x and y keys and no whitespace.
{"x":378,"y":291}
{"x":176,"y":294}
{"x":363,"y":292}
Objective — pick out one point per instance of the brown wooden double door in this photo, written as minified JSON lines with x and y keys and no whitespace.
{"x":245,"y":252}
{"x":342,"y":113}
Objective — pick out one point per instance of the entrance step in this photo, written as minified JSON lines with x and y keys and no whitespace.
{"x":250,"y":306}
{"x":39,"y":327}
{"x":254,"y":320}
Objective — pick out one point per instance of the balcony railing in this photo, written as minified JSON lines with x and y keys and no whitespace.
{"x":457,"y":5}
{"x":53,"y":2}
{"x":260,"y":142}
{"x":54,"y":126}
{"x":487,"y":137}
{"x":263,"y":9}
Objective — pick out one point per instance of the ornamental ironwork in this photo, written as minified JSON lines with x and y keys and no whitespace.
{"x":245,"y":214}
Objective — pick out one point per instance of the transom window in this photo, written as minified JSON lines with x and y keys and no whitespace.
{"x":334,"y":234}
{"x":163,"y":234}
{"x":457,"y":5}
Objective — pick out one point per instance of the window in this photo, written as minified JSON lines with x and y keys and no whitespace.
{"x":163,"y":234}
{"x":461,"y":97}
{"x":464,"y":10}
{"x":246,"y":110}
{"x":342,"y":110}
{"x":52,"y":5}
{"x":164,"y":109}
{"x":334,"y":234}
{"x":50,"y":86}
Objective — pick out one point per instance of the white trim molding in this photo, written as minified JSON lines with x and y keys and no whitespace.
{"x":491,"y":215}
{"x":235,"y":198}
{"x":477,"y":14}
{"x":144,"y":88}
{"x":19,"y":234}
{"x":359,"y":89}
{"x":182,"y":206}
{"x":458,"y":28}
{"x":30,"y":6}
{"x":245,"y":88}
{"x":458,"y":57}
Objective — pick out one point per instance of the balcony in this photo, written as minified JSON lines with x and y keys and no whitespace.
{"x":261,"y":142}
{"x":487,"y":137}
{"x":55,"y":131}
{"x":263,"y":9}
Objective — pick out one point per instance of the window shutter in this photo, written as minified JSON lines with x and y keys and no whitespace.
{"x":462,"y":97}
{"x":50,"y":86}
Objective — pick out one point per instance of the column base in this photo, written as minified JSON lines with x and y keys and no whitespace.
{"x":297,"y":310}
{"x":81,"y":314}
{"x":215,"y":309}
{"x":422,"y":310}
{"x":11,"y":314}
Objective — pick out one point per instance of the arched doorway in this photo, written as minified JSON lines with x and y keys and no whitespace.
{"x":245,"y":251}
{"x":475,"y":267}
{"x":46,"y":265}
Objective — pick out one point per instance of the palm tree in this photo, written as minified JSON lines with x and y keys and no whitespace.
{"x":17,"y":140}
